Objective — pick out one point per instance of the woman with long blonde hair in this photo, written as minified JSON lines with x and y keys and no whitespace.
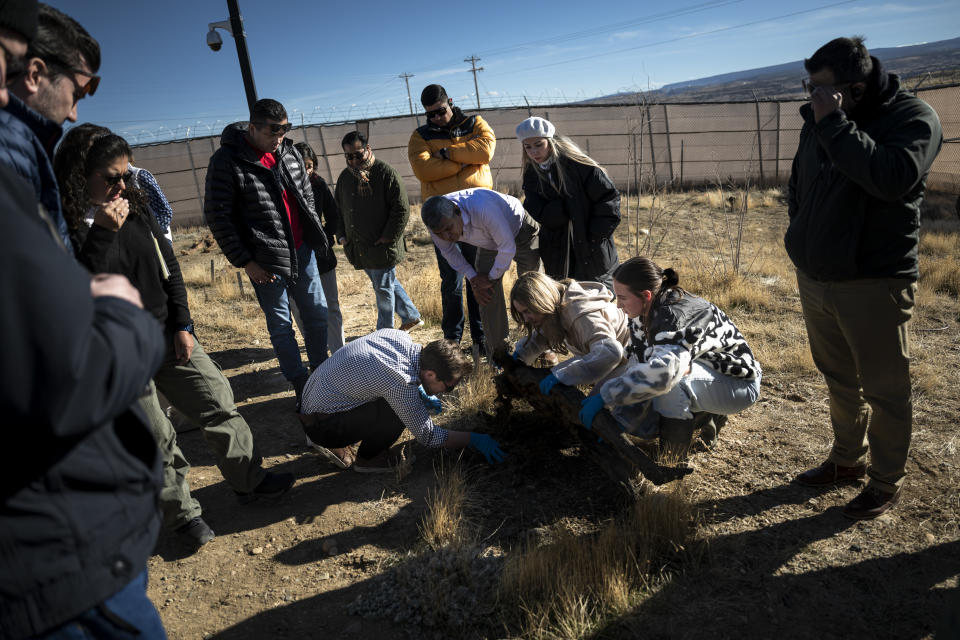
{"x":575,"y":202}
{"x":569,"y":317}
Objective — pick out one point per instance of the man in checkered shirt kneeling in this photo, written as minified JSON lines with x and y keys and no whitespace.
{"x":372,"y":388}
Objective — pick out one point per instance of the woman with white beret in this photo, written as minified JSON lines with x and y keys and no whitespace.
{"x":575,"y":202}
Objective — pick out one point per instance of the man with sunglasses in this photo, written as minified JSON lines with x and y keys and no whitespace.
{"x":858,"y":178}
{"x":452,"y":152}
{"x":58,"y":71}
{"x":79,"y":488}
{"x":373,"y":388}
{"x":260,"y":208}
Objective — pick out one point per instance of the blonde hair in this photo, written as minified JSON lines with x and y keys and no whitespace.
{"x":543,"y":295}
{"x":560,"y":147}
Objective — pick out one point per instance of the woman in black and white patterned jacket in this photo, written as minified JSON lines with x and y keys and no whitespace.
{"x":689,"y":365}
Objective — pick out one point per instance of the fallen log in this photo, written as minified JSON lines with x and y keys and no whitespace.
{"x":617,"y":455}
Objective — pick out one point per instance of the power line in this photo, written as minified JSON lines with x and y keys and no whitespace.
{"x":473,"y":60}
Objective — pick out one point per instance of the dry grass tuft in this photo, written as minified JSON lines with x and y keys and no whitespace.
{"x":940,"y":274}
{"x":476,"y":393}
{"x":564,"y":589}
{"x":446,"y":523}
{"x":731,"y":290}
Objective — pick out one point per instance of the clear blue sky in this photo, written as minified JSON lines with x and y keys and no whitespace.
{"x":331,"y":60}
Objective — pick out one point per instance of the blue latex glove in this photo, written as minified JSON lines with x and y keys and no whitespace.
{"x":487,"y":446}
{"x":589,"y":408}
{"x":548,"y":383}
{"x":432,"y":403}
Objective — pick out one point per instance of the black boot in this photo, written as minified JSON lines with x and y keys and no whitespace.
{"x":675,"y":437}
{"x":710,"y":425}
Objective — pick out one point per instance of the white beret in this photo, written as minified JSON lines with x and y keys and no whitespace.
{"x":535,"y":128}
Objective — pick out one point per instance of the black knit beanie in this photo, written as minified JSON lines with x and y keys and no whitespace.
{"x":20,"y":16}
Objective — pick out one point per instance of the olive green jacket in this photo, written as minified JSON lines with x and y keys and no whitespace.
{"x":364,"y":220}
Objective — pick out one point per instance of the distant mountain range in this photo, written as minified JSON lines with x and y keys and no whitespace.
{"x":929,"y":63}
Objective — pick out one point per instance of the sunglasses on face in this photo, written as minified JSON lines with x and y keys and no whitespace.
{"x":436,"y":113}
{"x":355,"y":155}
{"x":80,"y":91}
{"x":114,"y":180}
{"x":275,"y":128}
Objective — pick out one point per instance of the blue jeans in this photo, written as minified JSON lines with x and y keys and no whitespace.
{"x":451,"y":298}
{"x":126,"y":614}
{"x":391,"y":296}
{"x":703,"y":389}
{"x":308,"y":294}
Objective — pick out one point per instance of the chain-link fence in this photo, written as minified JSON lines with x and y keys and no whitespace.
{"x":640,"y":145}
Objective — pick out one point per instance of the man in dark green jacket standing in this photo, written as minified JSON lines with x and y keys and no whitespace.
{"x":856,"y":186}
{"x":373,"y":215}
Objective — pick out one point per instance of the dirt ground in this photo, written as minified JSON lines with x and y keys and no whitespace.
{"x":777,"y":559}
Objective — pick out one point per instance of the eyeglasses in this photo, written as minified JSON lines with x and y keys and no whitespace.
{"x":16,"y":65}
{"x":114,"y":180}
{"x":355,"y":155}
{"x":274,"y":127}
{"x":436,"y":113}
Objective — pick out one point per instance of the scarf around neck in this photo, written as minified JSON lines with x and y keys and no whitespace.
{"x":362,"y":174}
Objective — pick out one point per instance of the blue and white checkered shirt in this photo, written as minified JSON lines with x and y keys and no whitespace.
{"x":384,"y":364}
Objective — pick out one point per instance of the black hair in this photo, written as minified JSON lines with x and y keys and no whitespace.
{"x":85,"y":149}
{"x":62,"y":43}
{"x":307,"y":152}
{"x":267,"y":109}
{"x":352,"y":138}
{"x":847,"y":58}
{"x":432,"y":94}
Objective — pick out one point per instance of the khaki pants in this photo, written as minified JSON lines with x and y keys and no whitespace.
{"x":493,"y":315}
{"x":859,"y":341}
{"x":201,"y":392}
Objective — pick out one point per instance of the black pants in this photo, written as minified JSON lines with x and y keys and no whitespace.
{"x":451,"y":298}
{"x":374,"y":425}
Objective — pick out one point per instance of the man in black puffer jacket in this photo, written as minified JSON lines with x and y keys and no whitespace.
{"x":858,"y":179}
{"x":260,"y":208}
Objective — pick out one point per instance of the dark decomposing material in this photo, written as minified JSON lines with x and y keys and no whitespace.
{"x":617,"y":455}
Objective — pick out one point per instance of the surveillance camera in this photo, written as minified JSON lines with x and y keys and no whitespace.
{"x":214,"y":41}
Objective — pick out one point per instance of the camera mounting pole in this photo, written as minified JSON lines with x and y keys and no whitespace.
{"x":234,"y":27}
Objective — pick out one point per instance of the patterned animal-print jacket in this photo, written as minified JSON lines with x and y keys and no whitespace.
{"x":684,"y":328}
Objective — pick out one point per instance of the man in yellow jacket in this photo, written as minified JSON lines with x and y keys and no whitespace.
{"x":449,"y":153}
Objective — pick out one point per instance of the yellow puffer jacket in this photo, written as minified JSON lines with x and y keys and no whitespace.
{"x":469,"y":144}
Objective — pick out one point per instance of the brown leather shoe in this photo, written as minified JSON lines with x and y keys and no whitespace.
{"x":830,"y":473}
{"x":870,"y":503}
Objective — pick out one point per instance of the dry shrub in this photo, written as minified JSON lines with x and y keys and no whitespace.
{"x":198,"y":273}
{"x":564,"y":589}
{"x":939,"y":244}
{"x":446,"y":522}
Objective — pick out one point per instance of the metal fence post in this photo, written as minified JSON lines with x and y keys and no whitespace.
{"x":653,"y":153}
{"x":756,"y":102}
{"x":776,"y":162}
{"x":666,"y":128}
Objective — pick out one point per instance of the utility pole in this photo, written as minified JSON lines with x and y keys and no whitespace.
{"x":406,"y":78}
{"x":240,"y":38}
{"x":473,"y":60}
